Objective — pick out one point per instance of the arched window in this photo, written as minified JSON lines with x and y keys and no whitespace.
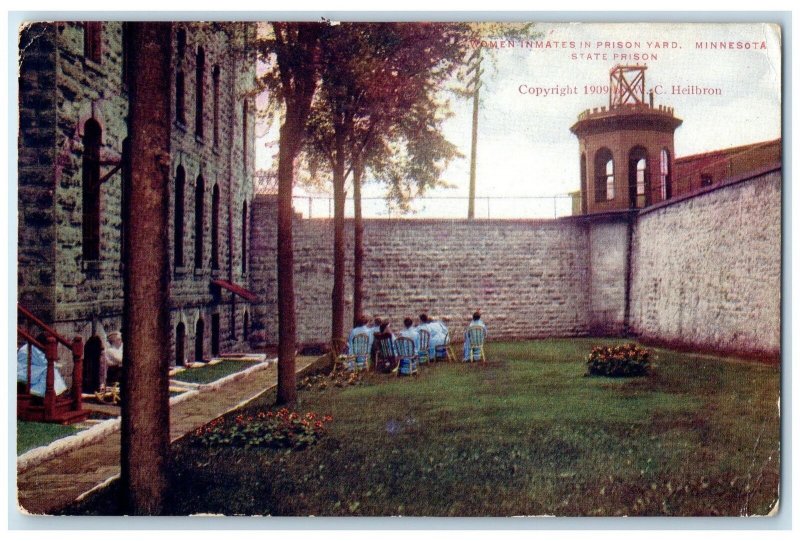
{"x":638,"y":181}
{"x":180,"y":188}
{"x":641,"y":166}
{"x":666,"y":176}
{"x":215,"y":80}
{"x":246,"y":326}
{"x":604,"y":175}
{"x":92,"y":369}
{"x":200,"y":84}
{"x":244,"y":238}
{"x":199,"y":212}
{"x":245,"y":138}
{"x":215,"y":227}
{"x":180,"y":99}
{"x":199,"y":331}
{"x":180,"y":344}
{"x":93,"y":41}
{"x":92,"y":134}
{"x":127,"y":47}
{"x":181,"y":39}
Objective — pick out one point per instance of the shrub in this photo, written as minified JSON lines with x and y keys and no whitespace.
{"x":336,"y":378}
{"x":280,"y":429}
{"x":618,"y":361}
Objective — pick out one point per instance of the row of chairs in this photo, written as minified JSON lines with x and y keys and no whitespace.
{"x":402,"y":351}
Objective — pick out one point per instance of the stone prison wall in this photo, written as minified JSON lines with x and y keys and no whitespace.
{"x":704,"y":272}
{"x":707,"y":270}
{"x":528,"y":277}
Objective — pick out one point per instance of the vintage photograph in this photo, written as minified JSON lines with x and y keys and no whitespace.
{"x":399,"y":269}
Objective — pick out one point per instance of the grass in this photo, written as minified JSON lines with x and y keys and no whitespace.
{"x":212,"y":372}
{"x":31,"y":435}
{"x":525,"y":434}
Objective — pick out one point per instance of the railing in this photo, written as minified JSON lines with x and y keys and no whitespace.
{"x":50,"y":349}
{"x":452,"y":207}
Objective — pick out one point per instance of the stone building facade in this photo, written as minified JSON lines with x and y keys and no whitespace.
{"x":73,"y":92}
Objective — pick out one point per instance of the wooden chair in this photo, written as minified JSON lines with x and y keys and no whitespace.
{"x":407,"y":356}
{"x":357,"y":359}
{"x":386,"y":358}
{"x":445,"y":351}
{"x":477,"y":338}
{"x":423,"y":356}
{"x":336,"y":353}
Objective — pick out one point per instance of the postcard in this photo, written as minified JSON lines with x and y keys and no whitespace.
{"x":399,"y":269}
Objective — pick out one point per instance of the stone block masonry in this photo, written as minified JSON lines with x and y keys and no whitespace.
{"x":529,"y":277}
{"x":702,"y":272}
{"x":707,"y":270}
{"x":72,"y":73}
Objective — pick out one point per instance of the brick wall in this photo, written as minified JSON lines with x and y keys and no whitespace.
{"x":707,"y":269}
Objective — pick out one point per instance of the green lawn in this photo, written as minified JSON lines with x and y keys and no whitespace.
{"x":212,"y":372}
{"x":525,"y":434}
{"x":31,"y":435}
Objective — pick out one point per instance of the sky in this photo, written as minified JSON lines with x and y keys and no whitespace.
{"x":527,"y":157}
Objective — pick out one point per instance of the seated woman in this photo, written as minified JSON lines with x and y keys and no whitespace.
{"x":409,"y":331}
{"x":112,"y":355}
{"x":438,"y":332}
{"x":476,"y":321}
{"x":383,"y":349}
{"x":362,"y":327}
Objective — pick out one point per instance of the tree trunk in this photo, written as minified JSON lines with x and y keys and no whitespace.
{"x":296,"y":58}
{"x":287,"y":384}
{"x":145,"y":384}
{"x":337,"y":295}
{"x":358,"y":244}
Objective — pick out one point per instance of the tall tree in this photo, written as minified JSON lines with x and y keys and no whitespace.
{"x":292,"y":53}
{"x":145,"y":385}
{"x":374,"y":76}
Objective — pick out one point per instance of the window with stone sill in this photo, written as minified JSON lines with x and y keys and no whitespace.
{"x":93,"y":41}
{"x":180,"y":100}
{"x":200,"y":69}
{"x":199,"y":214}
{"x":92,"y":136}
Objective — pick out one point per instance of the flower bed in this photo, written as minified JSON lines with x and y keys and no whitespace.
{"x":618,"y":361}
{"x":337,"y":378}
{"x":279,"y":429}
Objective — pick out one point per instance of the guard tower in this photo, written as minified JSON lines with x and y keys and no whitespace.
{"x":627,"y":150}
